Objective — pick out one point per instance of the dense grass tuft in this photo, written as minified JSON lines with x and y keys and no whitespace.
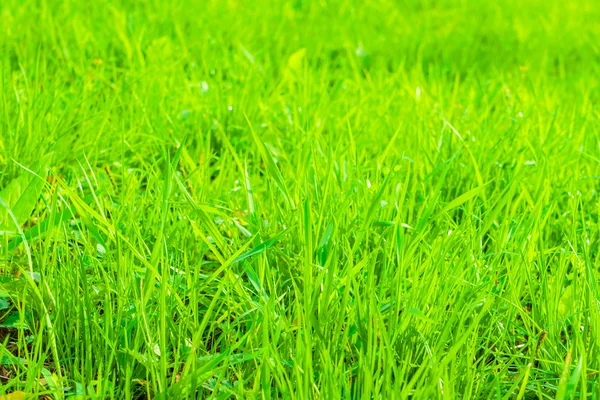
{"x":270,"y":199}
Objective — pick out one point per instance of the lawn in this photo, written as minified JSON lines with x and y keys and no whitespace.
{"x":304,"y":199}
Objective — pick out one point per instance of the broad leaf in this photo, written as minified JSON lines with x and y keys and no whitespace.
{"x":21,"y":196}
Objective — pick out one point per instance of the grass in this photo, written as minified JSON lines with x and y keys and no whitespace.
{"x":269,"y":199}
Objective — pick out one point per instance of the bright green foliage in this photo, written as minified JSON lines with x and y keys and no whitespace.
{"x":306,"y":199}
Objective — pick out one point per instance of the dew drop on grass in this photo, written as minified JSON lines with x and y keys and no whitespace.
{"x":360,"y":51}
{"x":34,"y":275}
{"x":100,"y":249}
{"x":203,"y":87}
